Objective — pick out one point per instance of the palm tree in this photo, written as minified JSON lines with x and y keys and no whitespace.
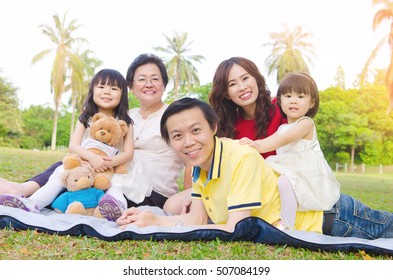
{"x":180,"y":66}
{"x":340,"y":78}
{"x":82,"y":68}
{"x":61,"y":36}
{"x":382,"y":15}
{"x":289,"y":52}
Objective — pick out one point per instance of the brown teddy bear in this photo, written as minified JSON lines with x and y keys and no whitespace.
{"x":105,"y":132}
{"x":80,"y":197}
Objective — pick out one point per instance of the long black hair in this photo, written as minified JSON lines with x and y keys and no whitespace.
{"x":227,"y":110}
{"x":113,"y":78}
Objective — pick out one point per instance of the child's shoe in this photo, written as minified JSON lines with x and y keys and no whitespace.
{"x":110,"y":208}
{"x":15,"y":201}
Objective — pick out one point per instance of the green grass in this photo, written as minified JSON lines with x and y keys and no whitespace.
{"x":374,"y":189}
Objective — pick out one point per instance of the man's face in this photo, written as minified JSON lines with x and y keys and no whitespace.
{"x":191,"y":137}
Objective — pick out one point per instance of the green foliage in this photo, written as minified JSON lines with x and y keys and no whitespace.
{"x":199,"y":92}
{"x":64,"y":128}
{"x":133,"y":101}
{"x":342,"y":157}
{"x":202,"y":92}
{"x":355,"y":119}
{"x":328,"y":120}
{"x":10,"y":118}
{"x":38,"y":123}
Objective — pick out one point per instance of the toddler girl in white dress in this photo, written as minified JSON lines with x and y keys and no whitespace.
{"x":306,"y":181}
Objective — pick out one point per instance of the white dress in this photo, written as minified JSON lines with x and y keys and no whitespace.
{"x":304,"y":164}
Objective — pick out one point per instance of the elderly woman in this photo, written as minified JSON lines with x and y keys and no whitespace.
{"x":153,"y":172}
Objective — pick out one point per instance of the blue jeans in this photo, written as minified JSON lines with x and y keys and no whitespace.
{"x":354,"y":219}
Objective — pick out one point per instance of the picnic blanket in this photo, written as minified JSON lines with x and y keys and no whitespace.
{"x":250,"y":229}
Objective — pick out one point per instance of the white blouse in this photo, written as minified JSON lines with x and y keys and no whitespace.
{"x":152,"y":157}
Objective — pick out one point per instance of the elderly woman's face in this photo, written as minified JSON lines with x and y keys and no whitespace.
{"x":148,"y":86}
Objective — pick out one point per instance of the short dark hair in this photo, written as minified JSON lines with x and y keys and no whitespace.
{"x":143,"y":59}
{"x":185,"y":104}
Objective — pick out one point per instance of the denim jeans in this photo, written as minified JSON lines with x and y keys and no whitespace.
{"x":354,"y":219}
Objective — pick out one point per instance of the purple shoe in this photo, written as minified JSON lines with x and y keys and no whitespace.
{"x":15,"y":201}
{"x":110,"y":208}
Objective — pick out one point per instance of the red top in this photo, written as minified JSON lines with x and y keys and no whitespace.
{"x":246,"y":128}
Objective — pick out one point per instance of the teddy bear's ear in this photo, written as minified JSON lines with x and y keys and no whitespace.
{"x":97,"y":117}
{"x":64,"y":176}
{"x":123,"y":126}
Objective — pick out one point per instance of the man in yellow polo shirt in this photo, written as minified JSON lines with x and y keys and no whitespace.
{"x":232,"y":182}
{"x":235,"y":182}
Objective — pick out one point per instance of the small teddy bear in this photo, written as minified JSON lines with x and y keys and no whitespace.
{"x":80,"y":197}
{"x":105,"y":132}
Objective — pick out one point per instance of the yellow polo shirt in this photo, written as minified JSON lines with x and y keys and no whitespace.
{"x":235,"y":182}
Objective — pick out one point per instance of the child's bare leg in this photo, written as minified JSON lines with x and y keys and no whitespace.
{"x":23,"y":189}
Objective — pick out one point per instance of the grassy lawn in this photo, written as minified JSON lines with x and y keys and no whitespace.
{"x":374,"y":189}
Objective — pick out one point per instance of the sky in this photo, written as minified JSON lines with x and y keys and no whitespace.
{"x":119,"y":30}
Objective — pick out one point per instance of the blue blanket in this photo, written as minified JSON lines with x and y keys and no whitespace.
{"x":250,"y":229}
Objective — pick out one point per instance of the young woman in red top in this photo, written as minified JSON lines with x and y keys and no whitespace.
{"x":243,"y":103}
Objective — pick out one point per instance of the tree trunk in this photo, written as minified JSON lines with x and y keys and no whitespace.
{"x":73,"y":105}
{"x":54,"y":131}
{"x":176,"y":88}
{"x":176,"y":84}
